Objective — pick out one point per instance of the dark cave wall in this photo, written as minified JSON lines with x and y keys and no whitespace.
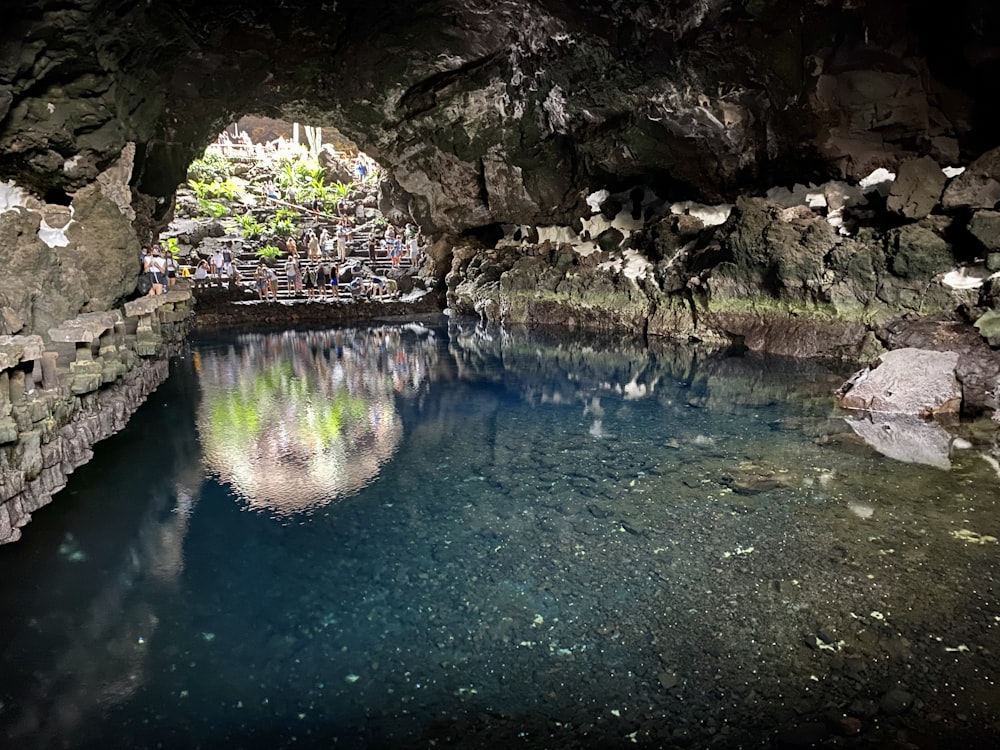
{"x":489,"y":112}
{"x":714,"y":97}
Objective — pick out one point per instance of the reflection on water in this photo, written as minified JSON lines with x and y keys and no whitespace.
{"x":538,"y":543}
{"x":83,"y":601}
{"x":905,"y":438}
{"x":293,"y":421}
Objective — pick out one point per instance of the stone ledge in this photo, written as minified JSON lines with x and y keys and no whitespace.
{"x":45,"y":433}
{"x":86,"y":327}
{"x":17,"y":349}
{"x":146,"y":305}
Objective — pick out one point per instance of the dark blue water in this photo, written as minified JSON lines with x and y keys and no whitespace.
{"x":412,"y":537}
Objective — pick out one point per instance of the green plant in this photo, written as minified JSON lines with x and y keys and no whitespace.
{"x":269,"y":251}
{"x":280,"y":227}
{"x":316,"y":189}
{"x":171,"y":246}
{"x":291,"y":174}
{"x":342,"y":189}
{"x":226,"y":189}
{"x":252,"y":229}
{"x":200,"y":189}
{"x":213,"y":209}
{"x":313,"y":171}
{"x":210,"y":166}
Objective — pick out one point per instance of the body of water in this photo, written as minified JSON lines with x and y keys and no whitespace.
{"x":408,"y":536}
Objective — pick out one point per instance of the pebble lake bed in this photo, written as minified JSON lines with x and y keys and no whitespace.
{"x":478,"y":539}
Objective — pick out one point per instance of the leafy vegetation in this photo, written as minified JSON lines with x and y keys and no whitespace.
{"x":252,"y":228}
{"x":171,"y":246}
{"x":283,"y":223}
{"x":342,"y":189}
{"x":224,"y":190}
{"x":270,"y":252}
{"x":210,"y":167}
{"x":212,"y":208}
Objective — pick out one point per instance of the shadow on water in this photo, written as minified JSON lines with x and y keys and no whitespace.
{"x":400,"y":536}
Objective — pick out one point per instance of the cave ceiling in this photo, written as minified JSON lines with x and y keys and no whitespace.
{"x":505,"y":111}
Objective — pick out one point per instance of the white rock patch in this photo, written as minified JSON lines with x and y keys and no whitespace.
{"x":632,"y":264}
{"x":711,"y":216}
{"x":11,"y":196}
{"x":961,"y":278}
{"x":558,"y":235}
{"x":880,"y":180}
{"x":594,"y":200}
{"x":55,"y":236}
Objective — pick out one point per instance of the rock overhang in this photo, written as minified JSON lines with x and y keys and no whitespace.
{"x":496,"y":112}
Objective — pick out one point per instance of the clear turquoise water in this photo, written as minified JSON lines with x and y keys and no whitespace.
{"x":401,"y":536}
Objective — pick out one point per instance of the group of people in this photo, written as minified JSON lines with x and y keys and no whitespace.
{"x":218,"y":265}
{"x":315,"y":277}
{"x":401,"y":244}
{"x":161,"y":267}
{"x":321,"y":280}
{"x":266,"y":281}
{"x":321,"y":246}
{"x":316,"y":265}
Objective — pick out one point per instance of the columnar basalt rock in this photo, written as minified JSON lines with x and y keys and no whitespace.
{"x":58,"y":400}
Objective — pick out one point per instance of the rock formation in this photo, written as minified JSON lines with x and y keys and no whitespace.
{"x":784,"y":175}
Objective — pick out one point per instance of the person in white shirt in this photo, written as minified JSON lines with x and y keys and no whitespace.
{"x":342,"y":234}
{"x":202,"y":271}
{"x":218,"y":265}
{"x":156,"y":264}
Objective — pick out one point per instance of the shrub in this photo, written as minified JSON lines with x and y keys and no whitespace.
{"x":210,"y":167}
{"x":251,"y":228}
{"x":342,"y":189}
{"x":226,"y":190}
{"x":270,"y":252}
{"x":213,"y":209}
{"x":280,"y":227}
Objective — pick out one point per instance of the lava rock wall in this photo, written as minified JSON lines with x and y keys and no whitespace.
{"x":485,"y":114}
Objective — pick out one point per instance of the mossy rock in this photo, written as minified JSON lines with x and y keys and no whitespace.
{"x":919,"y":253}
{"x":988,"y":326}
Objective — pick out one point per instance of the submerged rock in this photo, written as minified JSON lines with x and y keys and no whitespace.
{"x":905,"y":438}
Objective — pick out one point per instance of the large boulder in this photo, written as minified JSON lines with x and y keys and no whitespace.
{"x":985,"y":227}
{"x":978,"y":186}
{"x":59,"y":261}
{"x":978,"y":367}
{"x":102,"y":257}
{"x":917,"y":252}
{"x":33,"y":288}
{"x":335,"y":167}
{"x":917,"y":188}
{"x":907,"y":381}
{"x":773,"y":253}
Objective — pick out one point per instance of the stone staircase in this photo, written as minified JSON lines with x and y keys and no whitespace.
{"x":357,"y":254}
